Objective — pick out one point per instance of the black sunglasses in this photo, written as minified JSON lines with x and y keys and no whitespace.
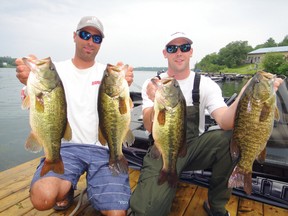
{"x":86,"y":36}
{"x":174,"y":48}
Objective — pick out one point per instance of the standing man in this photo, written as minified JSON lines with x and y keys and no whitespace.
{"x":81,"y":77}
{"x":205,"y":150}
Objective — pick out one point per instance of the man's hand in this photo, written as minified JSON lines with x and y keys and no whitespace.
{"x":277,"y":83}
{"x":129,"y":75}
{"x":152,"y":87}
{"x":22,"y":70}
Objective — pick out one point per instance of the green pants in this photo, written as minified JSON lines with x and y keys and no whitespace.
{"x":210,"y":150}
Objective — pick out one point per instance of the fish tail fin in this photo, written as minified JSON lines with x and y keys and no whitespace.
{"x":56,"y":166}
{"x":236,"y":179}
{"x":173,"y":180}
{"x":170,"y":177}
{"x":119,"y":165}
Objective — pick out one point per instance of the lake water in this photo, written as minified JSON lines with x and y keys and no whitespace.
{"x":14,"y":122}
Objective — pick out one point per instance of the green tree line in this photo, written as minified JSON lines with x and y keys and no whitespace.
{"x":7,"y":61}
{"x":235,"y":53}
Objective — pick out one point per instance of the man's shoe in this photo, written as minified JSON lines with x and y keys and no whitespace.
{"x":209,"y":212}
{"x":69,"y":199}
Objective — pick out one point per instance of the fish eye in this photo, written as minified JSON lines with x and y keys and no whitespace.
{"x":52,"y":68}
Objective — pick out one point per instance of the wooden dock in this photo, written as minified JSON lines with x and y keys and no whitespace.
{"x":14,"y":197}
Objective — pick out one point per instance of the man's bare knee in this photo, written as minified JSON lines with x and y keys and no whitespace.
{"x":47,"y":191}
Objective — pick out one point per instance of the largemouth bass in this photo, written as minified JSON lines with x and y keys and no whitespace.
{"x":169,"y":128}
{"x":114,"y":110}
{"x":47,"y":113}
{"x":253,"y":126}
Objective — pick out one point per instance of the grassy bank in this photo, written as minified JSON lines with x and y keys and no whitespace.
{"x":245,"y":69}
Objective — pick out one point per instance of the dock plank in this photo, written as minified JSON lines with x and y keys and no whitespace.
{"x":15,"y":184}
{"x":183,"y":197}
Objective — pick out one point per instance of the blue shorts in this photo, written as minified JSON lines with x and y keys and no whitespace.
{"x":105,"y":191}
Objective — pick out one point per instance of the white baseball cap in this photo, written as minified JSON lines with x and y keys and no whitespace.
{"x":91,"y":21}
{"x":178,"y":35}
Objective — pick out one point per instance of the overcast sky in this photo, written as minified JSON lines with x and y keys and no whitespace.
{"x":135,"y":30}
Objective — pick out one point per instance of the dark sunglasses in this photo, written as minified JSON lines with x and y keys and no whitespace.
{"x":86,"y":36}
{"x":174,"y":48}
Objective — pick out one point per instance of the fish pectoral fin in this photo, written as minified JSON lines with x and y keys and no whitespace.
{"x":264,"y":112}
{"x":234,"y":150}
{"x":68,"y":132}
{"x":32,"y":143}
{"x":129,"y":140}
{"x":161,"y":117}
{"x":39,"y":104}
{"x":122,"y":106}
{"x":26,"y":103}
{"x":101,"y":137}
{"x":262,"y":156}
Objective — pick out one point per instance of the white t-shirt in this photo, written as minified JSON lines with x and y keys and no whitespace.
{"x":81,"y":89}
{"x":210,"y":96}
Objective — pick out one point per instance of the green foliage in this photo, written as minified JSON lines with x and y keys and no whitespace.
{"x":150,"y":68}
{"x":283,"y":69}
{"x":7,"y":61}
{"x":233,"y":55}
{"x":243,"y":69}
{"x":269,"y":43}
{"x":274,"y":63}
{"x":284,"y":42}
{"x":210,"y":63}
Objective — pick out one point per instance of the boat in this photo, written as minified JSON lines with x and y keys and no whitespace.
{"x":269,"y":180}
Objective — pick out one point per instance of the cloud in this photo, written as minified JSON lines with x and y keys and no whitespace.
{"x":135,"y":29}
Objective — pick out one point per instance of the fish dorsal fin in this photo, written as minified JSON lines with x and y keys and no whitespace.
{"x":68,"y":132}
{"x":122,"y":106}
{"x":26,"y":103}
{"x":32,"y":143}
{"x":161,"y":117}
{"x":262,"y":156}
{"x":101,"y":138}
